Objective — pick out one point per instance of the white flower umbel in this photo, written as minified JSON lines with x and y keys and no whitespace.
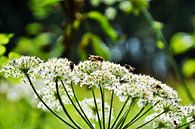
{"x":168,"y":120}
{"x":189,"y":112}
{"x":55,"y":68}
{"x":99,"y":78}
{"x":94,"y":73}
{"x":145,"y":87}
{"x":49,"y":96}
{"x":90,"y":109}
{"x":176,"y":117}
{"x":19,"y":67}
{"x":115,"y":69}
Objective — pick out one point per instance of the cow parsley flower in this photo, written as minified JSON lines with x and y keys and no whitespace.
{"x":100,"y":78}
{"x":89,"y":66}
{"x":93,"y":73}
{"x":89,"y":108}
{"x":49,"y":96}
{"x":145,"y":88}
{"x":168,"y":120}
{"x":55,"y":68}
{"x":97,"y":73}
{"x":19,"y":67}
{"x":115,"y":69}
{"x":189,"y":112}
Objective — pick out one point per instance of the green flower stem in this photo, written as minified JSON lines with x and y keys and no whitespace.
{"x":84,"y":117}
{"x":103,"y":108}
{"x":129,"y":123}
{"x":120,"y":112}
{"x":59,"y":117}
{"x":133,"y":103}
{"x":124,"y":117}
{"x":110,"y":112}
{"x":151,"y":120}
{"x":63,"y":107}
{"x":94,"y":98}
{"x":185,"y":124}
{"x":167,"y":51}
{"x":143,"y":114}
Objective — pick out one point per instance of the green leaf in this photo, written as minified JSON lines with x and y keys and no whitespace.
{"x":76,"y":24}
{"x":3,"y":61}
{"x":160,"y":44}
{"x":99,"y":47}
{"x":42,"y":40}
{"x":104,"y":23}
{"x":42,"y":3}
{"x":2,"y":50}
{"x":5,"y":38}
{"x":24,"y":45}
{"x":48,"y":2}
{"x":158,"y":25}
{"x":138,"y":5}
{"x":188,"y":67}
{"x":181,"y":42}
{"x":13,"y":55}
{"x":34,"y":28}
{"x":42,"y":8}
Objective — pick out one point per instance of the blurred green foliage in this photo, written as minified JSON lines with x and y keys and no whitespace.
{"x":104,"y":23}
{"x":41,"y":8}
{"x":4,"y":39}
{"x":98,"y":46}
{"x":188,"y":67}
{"x":21,"y":115}
{"x":39,"y":45}
{"x":182,"y":42}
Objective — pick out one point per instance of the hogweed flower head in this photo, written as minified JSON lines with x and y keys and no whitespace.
{"x":54,"y":68}
{"x":19,"y":67}
{"x":61,"y":74}
{"x":173,"y":119}
{"x":49,"y":96}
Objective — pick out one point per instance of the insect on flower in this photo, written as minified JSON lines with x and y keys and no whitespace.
{"x":95,"y":58}
{"x":71,"y":66}
{"x":123,"y":81}
{"x":158,"y":87}
{"x":129,"y":67}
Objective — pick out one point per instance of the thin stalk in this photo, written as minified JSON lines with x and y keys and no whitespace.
{"x":185,"y":124}
{"x":94,"y":99}
{"x":124,"y":117}
{"x":56,"y":115}
{"x":110,"y":112}
{"x":150,"y":120}
{"x":63,"y":107}
{"x":167,"y":51}
{"x":143,"y":114}
{"x":86,"y":118}
{"x":128,"y":124}
{"x":120,"y":112}
{"x":87,"y":121}
{"x":103,"y":107}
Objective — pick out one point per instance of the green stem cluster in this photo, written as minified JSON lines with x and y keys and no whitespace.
{"x":55,"y":114}
{"x":119,"y":122}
